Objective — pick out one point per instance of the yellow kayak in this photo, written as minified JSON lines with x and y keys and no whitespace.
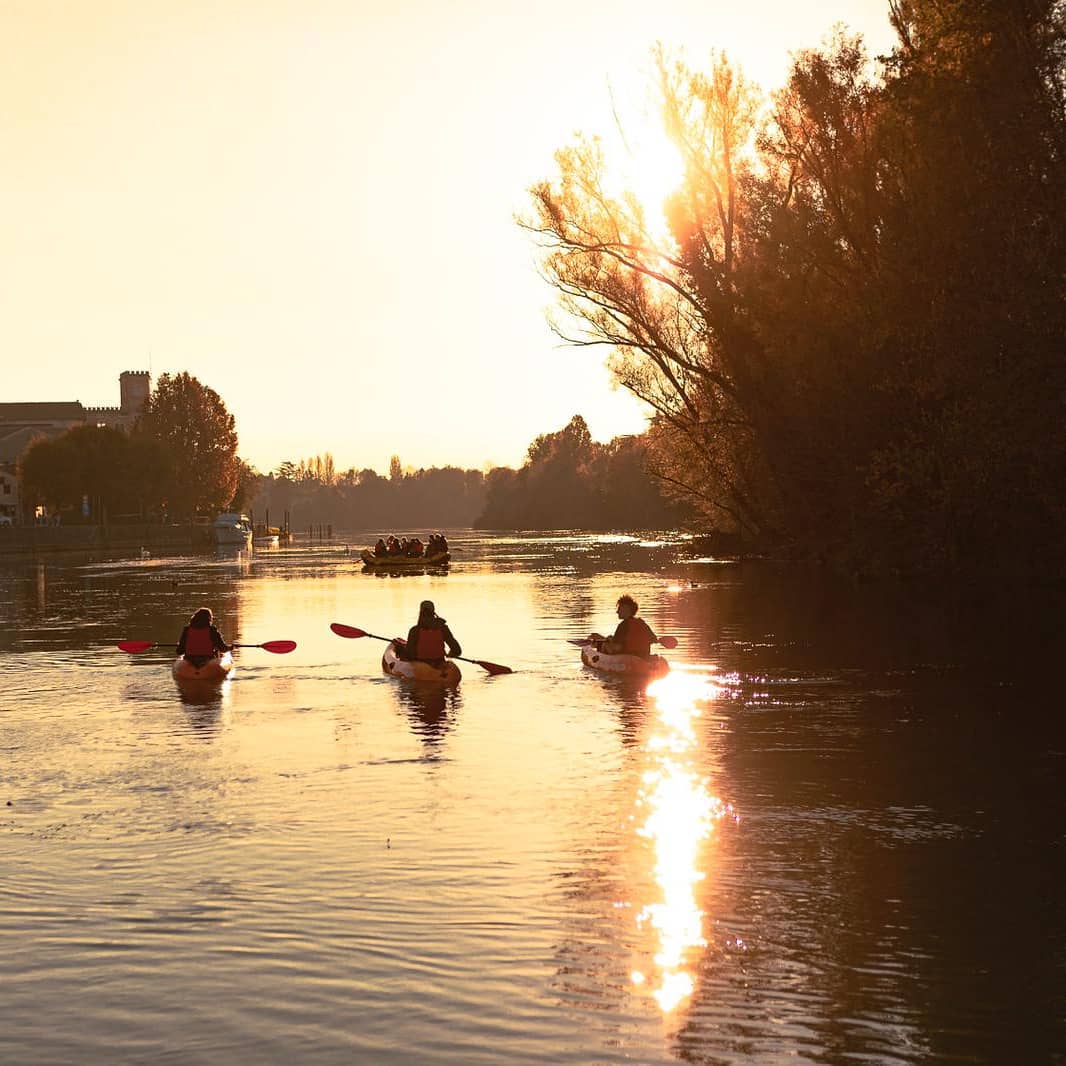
{"x":634,"y":665}
{"x":217,"y":669}
{"x":415,"y":670}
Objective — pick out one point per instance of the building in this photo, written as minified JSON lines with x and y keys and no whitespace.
{"x":22,"y":423}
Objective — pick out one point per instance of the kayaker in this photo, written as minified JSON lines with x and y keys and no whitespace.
{"x":428,"y":638}
{"x":200,"y":640}
{"x":414,"y":547}
{"x":380,"y":548}
{"x":632,"y":637}
{"x":394,"y":545}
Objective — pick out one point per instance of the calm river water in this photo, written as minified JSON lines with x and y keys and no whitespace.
{"x":835,"y":833}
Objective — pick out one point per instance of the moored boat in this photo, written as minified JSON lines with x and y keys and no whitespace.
{"x":391,"y":664}
{"x":232,"y":528}
{"x":264,"y":536}
{"x":216,"y":669}
{"x":633,"y":665}
{"x":398,"y":562}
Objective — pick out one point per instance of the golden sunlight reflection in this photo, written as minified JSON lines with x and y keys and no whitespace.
{"x":680,"y":813}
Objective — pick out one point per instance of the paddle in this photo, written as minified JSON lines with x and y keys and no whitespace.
{"x":278,"y":647}
{"x":666,"y":642}
{"x":351,"y":632}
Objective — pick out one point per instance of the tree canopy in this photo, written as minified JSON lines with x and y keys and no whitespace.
{"x":852,"y":337}
{"x":117,"y":474}
{"x":192,"y":423}
{"x":571,"y":482}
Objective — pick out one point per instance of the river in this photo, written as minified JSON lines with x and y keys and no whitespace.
{"x":832,"y":834}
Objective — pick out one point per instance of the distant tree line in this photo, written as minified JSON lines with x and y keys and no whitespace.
{"x":314,"y":493}
{"x":569,"y":481}
{"x":852,"y":338}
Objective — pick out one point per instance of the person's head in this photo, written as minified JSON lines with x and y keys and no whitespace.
{"x":426,"y":611}
{"x":201,"y":618}
{"x":627,"y":606}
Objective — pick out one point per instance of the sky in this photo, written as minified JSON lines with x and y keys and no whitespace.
{"x":310,"y":204}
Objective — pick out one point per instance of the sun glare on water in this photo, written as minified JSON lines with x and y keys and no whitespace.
{"x":679,"y":813}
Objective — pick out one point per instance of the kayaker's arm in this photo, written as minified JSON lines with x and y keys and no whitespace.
{"x":181,"y":641}
{"x":217,"y":640}
{"x":451,"y":642}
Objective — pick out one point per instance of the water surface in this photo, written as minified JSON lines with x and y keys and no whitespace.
{"x":832,"y":834}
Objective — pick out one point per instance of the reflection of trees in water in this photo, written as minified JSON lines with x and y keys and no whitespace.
{"x":75,"y":603}
{"x":430,"y":709}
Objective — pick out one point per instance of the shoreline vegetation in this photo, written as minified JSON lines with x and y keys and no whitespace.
{"x":851,"y":334}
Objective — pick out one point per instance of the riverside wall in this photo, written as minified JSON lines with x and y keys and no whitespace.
{"x":43,"y":540}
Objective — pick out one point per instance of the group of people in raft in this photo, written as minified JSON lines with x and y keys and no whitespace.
{"x":429,"y":640}
{"x":436,"y":544}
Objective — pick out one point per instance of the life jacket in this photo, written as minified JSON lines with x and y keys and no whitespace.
{"x":198,"y":641}
{"x":430,"y":644}
{"x":637,"y":638}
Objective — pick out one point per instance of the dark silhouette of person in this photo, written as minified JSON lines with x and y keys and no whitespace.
{"x":429,"y":639}
{"x":200,"y":640}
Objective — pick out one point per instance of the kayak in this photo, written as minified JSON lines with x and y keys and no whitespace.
{"x":392,"y":562}
{"x":391,"y":663}
{"x":635,"y":665}
{"x":217,"y":669}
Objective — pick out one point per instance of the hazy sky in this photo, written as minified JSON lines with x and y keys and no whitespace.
{"x":309,"y":204}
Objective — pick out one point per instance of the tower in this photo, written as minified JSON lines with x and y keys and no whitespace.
{"x":134,"y":387}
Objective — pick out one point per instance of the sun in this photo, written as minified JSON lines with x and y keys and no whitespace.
{"x":641,"y":160}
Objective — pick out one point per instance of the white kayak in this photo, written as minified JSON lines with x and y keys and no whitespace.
{"x":217,"y":669}
{"x":415,"y":670}
{"x":634,"y":665}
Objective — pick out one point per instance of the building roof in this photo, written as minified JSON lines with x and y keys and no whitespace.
{"x":64,"y":411}
{"x":15,"y":441}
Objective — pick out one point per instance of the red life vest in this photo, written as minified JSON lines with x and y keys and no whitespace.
{"x":429,"y":645}
{"x":198,"y":641}
{"x":637,"y":637}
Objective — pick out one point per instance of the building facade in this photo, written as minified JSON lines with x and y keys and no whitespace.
{"x":23,"y":423}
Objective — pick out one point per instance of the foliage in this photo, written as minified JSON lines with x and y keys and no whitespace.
{"x":119,"y":475}
{"x":851,"y":338}
{"x":192,"y":423}
{"x":315,"y":493}
{"x":570,"y":482}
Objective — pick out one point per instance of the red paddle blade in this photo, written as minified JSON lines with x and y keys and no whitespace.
{"x":493,"y":668}
{"x":279,"y":647}
{"x":134,"y":647}
{"x":668,"y":642}
{"x":346,"y":631}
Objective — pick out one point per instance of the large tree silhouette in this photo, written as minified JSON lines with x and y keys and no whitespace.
{"x":851,"y":339}
{"x":192,"y":423}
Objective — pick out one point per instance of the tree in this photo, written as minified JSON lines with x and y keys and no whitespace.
{"x":395,"y":469}
{"x":248,"y":479}
{"x":851,"y":338}
{"x":118,"y":474}
{"x":192,"y":423}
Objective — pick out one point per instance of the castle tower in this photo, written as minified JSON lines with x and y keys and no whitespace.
{"x":134,"y":387}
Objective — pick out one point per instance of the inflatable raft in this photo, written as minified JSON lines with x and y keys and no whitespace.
{"x":398,"y":562}
{"x":391,"y":663}
{"x":633,"y":665}
{"x":217,"y":669}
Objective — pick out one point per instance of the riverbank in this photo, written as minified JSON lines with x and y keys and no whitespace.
{"x":41,"y":540}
